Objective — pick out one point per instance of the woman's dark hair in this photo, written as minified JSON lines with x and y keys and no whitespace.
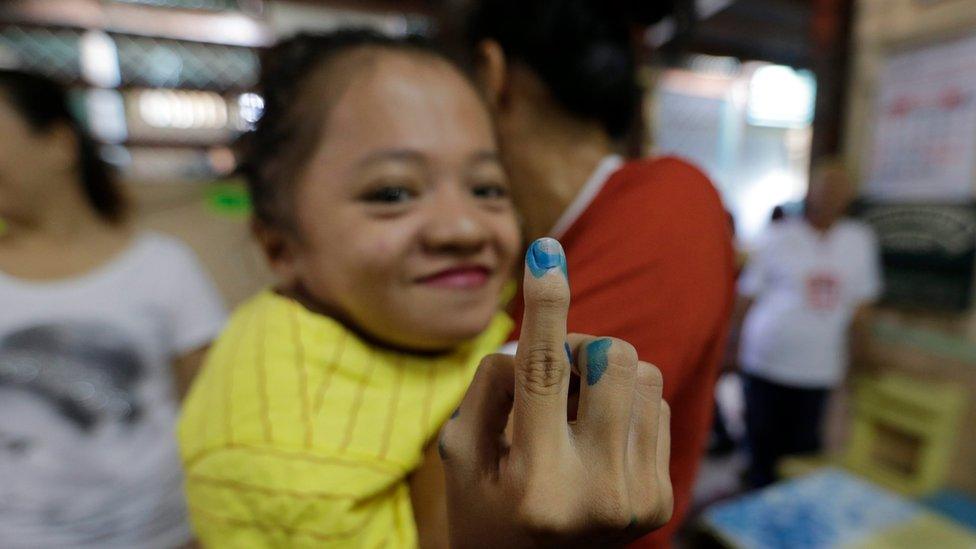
{"x":581,"y":49}
{"x":43,"y":104}
{"x":273,"y":154}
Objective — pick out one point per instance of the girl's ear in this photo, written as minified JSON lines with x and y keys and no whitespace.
{"x":492,"y":72}
{"x":280,"y":248}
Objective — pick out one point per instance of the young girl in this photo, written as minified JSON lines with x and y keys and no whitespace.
{"x":381,"y":206}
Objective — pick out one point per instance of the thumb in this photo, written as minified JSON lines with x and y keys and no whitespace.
{"x":472,"y":438}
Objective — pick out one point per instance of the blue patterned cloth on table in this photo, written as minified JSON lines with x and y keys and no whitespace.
{"x":829,"y":508}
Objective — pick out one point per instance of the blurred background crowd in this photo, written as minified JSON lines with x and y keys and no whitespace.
{"x":839,"y":134}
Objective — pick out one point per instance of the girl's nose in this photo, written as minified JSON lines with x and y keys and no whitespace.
{"x":453,"y":224}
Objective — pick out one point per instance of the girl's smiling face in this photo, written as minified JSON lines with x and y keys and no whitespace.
{"x":405,"y":229}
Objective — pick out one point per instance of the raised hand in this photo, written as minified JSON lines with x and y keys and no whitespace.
{"x":601,"y":479}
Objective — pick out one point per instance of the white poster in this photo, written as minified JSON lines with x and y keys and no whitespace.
{"x":924,"y":146}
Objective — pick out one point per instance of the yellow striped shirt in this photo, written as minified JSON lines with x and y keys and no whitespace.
{"x":298,"y":433}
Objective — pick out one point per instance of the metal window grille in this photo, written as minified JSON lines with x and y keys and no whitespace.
{"x":52,"y":52}
{"x":208,"y":5}
{"x":159,"y":63}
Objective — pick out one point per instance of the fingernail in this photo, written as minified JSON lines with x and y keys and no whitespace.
{"x":596,"y":359}
{"x":544,"y":255}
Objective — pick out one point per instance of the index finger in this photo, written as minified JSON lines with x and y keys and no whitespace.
{"x":541,"y":363}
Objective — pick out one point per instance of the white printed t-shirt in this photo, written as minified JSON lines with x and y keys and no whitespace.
{"x":88,"y":455}
{"x":806,"y":286}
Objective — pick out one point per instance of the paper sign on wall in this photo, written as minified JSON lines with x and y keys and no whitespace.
{"x":924,"y":143}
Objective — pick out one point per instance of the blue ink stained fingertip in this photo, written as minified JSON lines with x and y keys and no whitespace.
{"x":596,"y":359}
{"x":545,"y":254}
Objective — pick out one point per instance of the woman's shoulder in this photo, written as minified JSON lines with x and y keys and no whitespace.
{"x":665,"y":169}
{"x":663,"y":182}
{"x":652,"y":212}
{"x":663,"y":188}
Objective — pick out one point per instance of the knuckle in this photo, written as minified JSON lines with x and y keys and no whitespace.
{"x":530,"y":514}
{"x":445,"y":446}
{"x":650,"y":375}
{"x":613,"y":511}
{"x":659,"y":508}
{"x":541,"y":523}
{"x":445,"y":451}
{"x":667,"y":507}
{"x":622,"y":353}
{"x":650,"y":381}
{"x":484,"y":367}
{"x":539,"y":510}
{"x":621,"y":361}
{"x":542,"y":371}
{"x":491,"y":375}
{"x":664,"y":510}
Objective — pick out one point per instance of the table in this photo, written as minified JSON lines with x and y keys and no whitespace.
{"x":832,"y":508}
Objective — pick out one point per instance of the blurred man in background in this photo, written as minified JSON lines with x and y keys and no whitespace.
{"x":808,"y":279}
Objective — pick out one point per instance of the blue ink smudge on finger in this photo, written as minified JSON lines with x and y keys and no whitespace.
{"x":544,"y":255}
{"x":596,"y":359}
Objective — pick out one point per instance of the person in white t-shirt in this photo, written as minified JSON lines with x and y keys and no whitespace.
{"x":804,"y":284}
{"x":101,"y":329}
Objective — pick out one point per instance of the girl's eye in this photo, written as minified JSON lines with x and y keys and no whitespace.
{"x":390,"y":194}
{"x":490,"y":191}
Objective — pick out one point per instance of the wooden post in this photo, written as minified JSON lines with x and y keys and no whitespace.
{"x":831,"y":37}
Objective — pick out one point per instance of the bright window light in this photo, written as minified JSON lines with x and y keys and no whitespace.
{"x":99,"y":59}
{"x":781,"y":97}
{"x":182,"y":110}
{"x":756,"y":203}
{"x":106,"y":115}
{"x":250,"y":106}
